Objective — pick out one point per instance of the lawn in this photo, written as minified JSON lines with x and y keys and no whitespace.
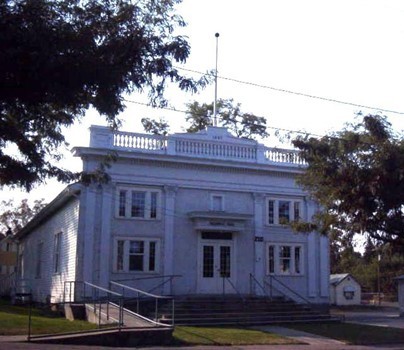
{"x":354,"y":333}
{"x":14,"y":321}
{"x":226,"y":336}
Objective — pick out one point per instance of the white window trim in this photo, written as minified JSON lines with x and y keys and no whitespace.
{"x":277,"y":269}
{"x":57,"y":252}
{"x":39,"y":259}
{"x":126,"y":240}
{"x":212,"y":196}
{"x":276,"y":201}
{"x":128,"y":202}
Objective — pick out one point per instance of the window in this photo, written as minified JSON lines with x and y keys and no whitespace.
{"x":136,"y":255}
{"x":138,"y":203}
{"x":282,"y":211}
{"x":39,"y":253}
{"x":56,"y":252}
{"x":284,"y":259}
{"x":217,"y":202}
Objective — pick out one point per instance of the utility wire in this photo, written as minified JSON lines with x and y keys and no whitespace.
{"x":186,"y":112}
{"x":293,"y":92}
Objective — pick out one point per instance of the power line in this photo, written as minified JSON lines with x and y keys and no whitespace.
{"x":186,"y":112}
{"x":294,"y":92}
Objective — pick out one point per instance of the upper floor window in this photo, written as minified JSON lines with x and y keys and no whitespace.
{"x":282,"y":211}
{"x":217,"y":202}
{"x":133,"y":202}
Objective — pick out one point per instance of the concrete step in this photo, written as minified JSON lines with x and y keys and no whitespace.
{"x":234,"y":311}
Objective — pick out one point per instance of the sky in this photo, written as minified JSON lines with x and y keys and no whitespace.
{"x":273,"y":53}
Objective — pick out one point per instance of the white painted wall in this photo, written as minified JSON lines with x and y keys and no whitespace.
{"x":48,"y":283}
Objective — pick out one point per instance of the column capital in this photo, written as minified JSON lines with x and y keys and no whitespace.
{"x":170,"y":190}
{"x":258,"y":196}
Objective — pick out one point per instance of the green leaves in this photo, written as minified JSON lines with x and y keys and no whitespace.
{"x":357,"y":176}
{"x":58,"y":58}
{"x":229,"y":115}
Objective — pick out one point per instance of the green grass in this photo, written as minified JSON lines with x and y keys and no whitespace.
{"x":226,"y":336}
{"x":14,"y":321}
{"x":354,"y":333}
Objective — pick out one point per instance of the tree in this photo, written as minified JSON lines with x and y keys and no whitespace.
{"x":15,"y":216}
{"x":59,"y":57}
{"x":229,"y":115}
{"x":156,"y":127}
{"x":357,"y":176}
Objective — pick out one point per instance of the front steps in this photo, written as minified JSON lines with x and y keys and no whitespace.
{"x":232,"y":310}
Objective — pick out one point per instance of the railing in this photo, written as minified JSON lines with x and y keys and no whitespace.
{"x":145,"y":142}
{"x":293,"y":292}
{"x":211,"y":149}
{"x":279,"y":155}
{"x":139,"y":294}
{"x":254,"y":281}
{"x":98,"y":297}
{"x":224,"y":279}
{"x":224,"y":148}
{"x":165,"y":280}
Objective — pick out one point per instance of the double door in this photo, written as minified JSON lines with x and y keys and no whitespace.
{"x":216,"y":266}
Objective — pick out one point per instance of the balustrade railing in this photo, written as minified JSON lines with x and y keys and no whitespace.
{"x":225,"y":149}
{"x":216,"y":149}
{"x":129,"y":140}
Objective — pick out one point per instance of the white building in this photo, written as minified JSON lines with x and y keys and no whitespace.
{"x":207,"y":208}
{"x":344,"y":290}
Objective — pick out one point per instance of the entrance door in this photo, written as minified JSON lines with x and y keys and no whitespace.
{"x":216,"y":266}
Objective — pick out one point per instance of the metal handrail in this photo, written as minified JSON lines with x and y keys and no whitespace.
{"x":271,"y":277}
{"x":140,"y":291}
{"x":252,"y":278}
{"x":97,"y":300}
{"x":144,"y":293}
{"x":225,"y":278}
{"x":169,"y":280}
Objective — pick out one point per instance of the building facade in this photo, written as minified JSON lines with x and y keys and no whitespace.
{"x":207,"y":210}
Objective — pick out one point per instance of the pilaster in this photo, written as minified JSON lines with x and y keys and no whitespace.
{"x":105,"y":237}
{"x":259,"y":256}
{"x":169,"y":210}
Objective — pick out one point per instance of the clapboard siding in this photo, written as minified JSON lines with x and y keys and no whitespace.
{"x":50,"y":284}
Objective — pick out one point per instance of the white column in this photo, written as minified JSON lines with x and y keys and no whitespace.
{"x":259,"y":256}
{"x":106,"y":243}
{"x":169,"y":211}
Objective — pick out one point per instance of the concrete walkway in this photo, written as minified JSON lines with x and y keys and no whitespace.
{"x":386,"y":317}
{"x":303,"y":337}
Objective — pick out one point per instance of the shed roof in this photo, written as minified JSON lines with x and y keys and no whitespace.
{"x":339,"y":277}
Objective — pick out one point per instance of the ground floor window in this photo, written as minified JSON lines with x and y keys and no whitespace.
{"x":284,"y":259}
{"x":136,"y":255}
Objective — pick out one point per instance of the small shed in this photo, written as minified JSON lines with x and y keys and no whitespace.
{"x":344,"y":290}
{"x":400,"y":281}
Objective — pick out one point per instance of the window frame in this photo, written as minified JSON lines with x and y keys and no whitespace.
{"x":39,"y":259}
{"x":294,"y":270}
{"x":124,"y":203}
{"x":151,"y":247}
{"x":276,"y":214}
{"x":212,"y":202}
{"x":57,"y":253}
